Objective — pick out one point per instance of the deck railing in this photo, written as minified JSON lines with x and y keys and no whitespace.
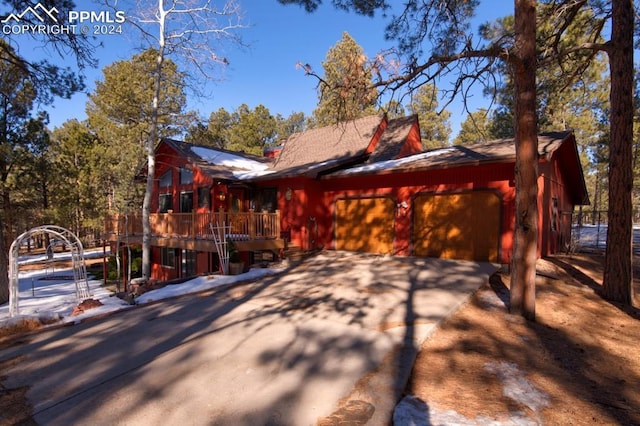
{"x":249,"y":225}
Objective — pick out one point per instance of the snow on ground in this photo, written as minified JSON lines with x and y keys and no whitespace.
{"x":592,"y":237}
{"x":412,"y":411}
{"x":26,"y":259}
{"x":50,"y":295}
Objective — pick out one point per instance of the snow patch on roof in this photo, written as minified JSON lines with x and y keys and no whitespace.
{"x":390,"y":164}
{"x":227,"y":159}
{"x":250,"y":174}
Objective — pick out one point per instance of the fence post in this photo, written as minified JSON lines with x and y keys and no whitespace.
{"x":598,"y":231}
{"x":194,"y":226}
{"x":221,"y":217}
{"x":252,"y":224}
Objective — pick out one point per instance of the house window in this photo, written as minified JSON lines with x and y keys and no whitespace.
{"x":186,"y":177}
{"x":204,"y":197}
{"x":188,"y":263}
{"x":168,"y":257}
{"x":166,"y":180}
{"x":235,"y":204}
{"x":186,"y":201}
{"x":165,"y":203}
{"x":265,"y":199}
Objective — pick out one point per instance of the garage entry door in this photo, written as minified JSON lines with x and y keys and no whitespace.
{"x":457,"y":226}
{"x":365,"y":225}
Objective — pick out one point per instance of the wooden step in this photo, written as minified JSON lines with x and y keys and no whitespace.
{"x":293,"y":253}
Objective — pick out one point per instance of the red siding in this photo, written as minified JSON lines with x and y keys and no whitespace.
{"x":413,"y":144}
{"x":404,"y":188}
{"x":376,"y":137}
{"x":158,"y":271}
{"x":313,"y":199}
{"x":556,"y":219}
{"x":167,"y":159}
{"x":307,"y":205}
{"x":301,"y":214}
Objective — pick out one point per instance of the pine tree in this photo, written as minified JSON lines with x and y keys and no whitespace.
{"x":475,"y":129}
{"x":345,"y":92}
{"x":252,"y":130}
{"x":118,"y":113}
{"x":22,"y":135}
{"x":79,"y":194}
{"x":435,"y":128}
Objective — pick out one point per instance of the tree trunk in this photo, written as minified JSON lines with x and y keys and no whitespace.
{"x":618,"y":275}
{"x":151,"y":145}
{"x":146,"y":206}
{"x":4,"y":268}
{"x":523,"y":268}
{"x":6,"y":236}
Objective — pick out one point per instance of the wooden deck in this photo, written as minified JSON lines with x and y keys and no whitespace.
{"x":195,"y":231}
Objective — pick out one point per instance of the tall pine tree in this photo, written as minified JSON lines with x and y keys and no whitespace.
{"x":119,"y":112}
{"x":345,"y":92}
{"x":435,"y":127}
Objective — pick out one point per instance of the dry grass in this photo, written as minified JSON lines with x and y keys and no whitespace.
{"x":582,"y":353}
{"x":24,"y":325}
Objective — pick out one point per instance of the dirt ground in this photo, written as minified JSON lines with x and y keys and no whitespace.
{"x":577,"y":364}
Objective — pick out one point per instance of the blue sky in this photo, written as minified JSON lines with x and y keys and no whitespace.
{"x":265,"y":72}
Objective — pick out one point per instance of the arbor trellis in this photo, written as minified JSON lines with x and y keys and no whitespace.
{"x":77,"y":260}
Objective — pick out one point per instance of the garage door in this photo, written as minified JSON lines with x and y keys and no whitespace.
{"x":457,"y":226}
{"x":365,"y":225}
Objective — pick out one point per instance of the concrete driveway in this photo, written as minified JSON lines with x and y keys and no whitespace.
{"x":332,"y":338}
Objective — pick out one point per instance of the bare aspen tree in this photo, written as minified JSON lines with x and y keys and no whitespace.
{"x":190,"y":32}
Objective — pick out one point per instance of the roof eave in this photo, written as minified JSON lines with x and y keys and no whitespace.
{"x":437,"y":166}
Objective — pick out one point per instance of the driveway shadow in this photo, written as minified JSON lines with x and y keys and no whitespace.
{"x":334,"y":336}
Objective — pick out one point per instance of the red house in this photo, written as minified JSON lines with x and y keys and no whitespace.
{"x":365,"y":185}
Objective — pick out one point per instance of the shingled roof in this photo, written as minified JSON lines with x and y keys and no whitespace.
{"x":310,"y":153}
{"x":393,"y":139}
{"x":313,"y":151}
{"x":496,"y":151}
{"x":491,"y":151}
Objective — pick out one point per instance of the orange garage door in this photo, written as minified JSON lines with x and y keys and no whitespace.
{"x":365,"y":225}
{"x":457,"y":226}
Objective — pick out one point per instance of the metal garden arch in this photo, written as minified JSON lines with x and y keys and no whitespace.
{"x":77,"y":260}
